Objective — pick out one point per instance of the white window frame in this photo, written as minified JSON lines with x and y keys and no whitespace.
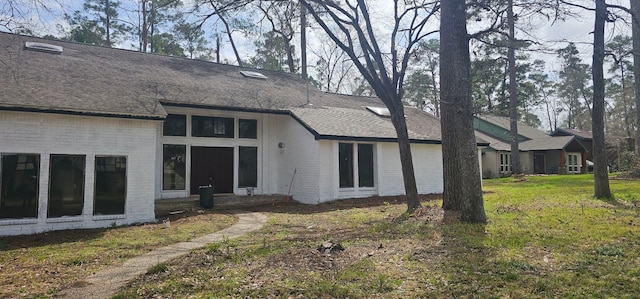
{"x":355,"y":168}
{"x":573,"y":165}
{"x":504,"y":162}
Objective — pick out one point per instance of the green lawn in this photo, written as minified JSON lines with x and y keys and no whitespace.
{"x":546,"y":238}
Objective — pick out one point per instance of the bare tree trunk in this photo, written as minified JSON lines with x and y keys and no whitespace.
{"x":233,"y":44}
{"x":107,"y":24}
{"x":290,"y":59}
{"x":551,"y":127}
{"x":144,"y":38}
{"x":635,"y":10}
{"x":601,"y":176}
{"x":303,"y":40}
{"x":513,"y":93}
{"x":462,"y":180}
{"x":406,"y":160}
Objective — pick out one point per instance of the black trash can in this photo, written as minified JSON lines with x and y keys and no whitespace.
{"x":206,"y":196}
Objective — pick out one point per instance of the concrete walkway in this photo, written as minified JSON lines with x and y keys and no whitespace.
{"x":107,"y":282}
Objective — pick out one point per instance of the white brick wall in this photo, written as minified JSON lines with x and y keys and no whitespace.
{"x":427,"y":165}
{"x":315,"y":162}
{"x":301,"y":154}
{"x":46,"y":134}
{"x":427,"y":161}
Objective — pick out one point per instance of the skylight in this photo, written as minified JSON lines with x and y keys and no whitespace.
{"x":379,"y":111}
{"x":254,"y":75}
{"x":49,"y":48}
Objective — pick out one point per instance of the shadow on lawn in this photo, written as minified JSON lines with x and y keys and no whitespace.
{"x":50,"y":238}
{"x":293,"y":207}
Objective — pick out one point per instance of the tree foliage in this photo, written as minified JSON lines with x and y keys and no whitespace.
{"x":423,"y":85}
{"x":573,"y":88}
{"x":621,"y":113}
{"x":273,"y":53}
{"x":98,"y":23}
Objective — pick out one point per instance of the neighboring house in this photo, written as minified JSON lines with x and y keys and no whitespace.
{"x":585,"y":137}
{"x":92,"y":136}
{"x":539,"y":152}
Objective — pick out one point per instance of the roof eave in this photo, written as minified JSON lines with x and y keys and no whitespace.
{"x":227,"y":108}
{"x":84,"y":113}
{"x":373,"y":139}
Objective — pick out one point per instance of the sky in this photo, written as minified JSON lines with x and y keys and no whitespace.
{"x":49,"y":21}
{"x":47,"y":16}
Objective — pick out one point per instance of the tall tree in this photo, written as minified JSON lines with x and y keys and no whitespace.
{"x":333,"y":67}
{"x":621,"y":119}
{"x":105,"y":12}
{"x":462,"y":179}
{"x":283,"y":17}
{"x":573,"y":88}
{"x":513,"y":91}
{"x":383,"y":70}
{"x":534,"y":90}
{"x":167,"y":44}
{"x":83,"y":30}
{"x":423,"y":88}
{"x":232,"y":16}
{"x":273,"y":53}
{"x":154,"y":15}
{"x":192,"y":38}
{"x":489,"y":75}
{"x":635,"y":28}
{"x":600,"y":172}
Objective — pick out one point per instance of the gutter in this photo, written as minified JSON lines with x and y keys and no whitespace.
{"x":83,"y":113}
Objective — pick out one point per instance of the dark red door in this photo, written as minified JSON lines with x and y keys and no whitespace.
{"x":213,"y":164}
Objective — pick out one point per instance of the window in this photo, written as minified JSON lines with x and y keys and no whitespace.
{"x":248,"y":167}
{"x":345,"y":164}
{"x":173,"y":166}
{"x":66,"y":185}
{"x":505,"y":162}
{"x":248,"y":128}
{"x":175,"y":125}
{"x":365,"y":171}
{"x":205,"y":126}
{"x":19,"y":188}
{"x":365,"y":165}
{"x":572,"y":165}
{"x":111,"y":185}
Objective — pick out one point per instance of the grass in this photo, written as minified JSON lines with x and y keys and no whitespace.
{"x":546,"y":238}
{"x":39,"y":266}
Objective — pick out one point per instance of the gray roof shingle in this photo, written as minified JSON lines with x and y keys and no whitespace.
{"x":92,"y":80}
{"x":541,"y":142}
{"x":547,"y":143}
{"x":523,"y":129}
{"x":357,"y":122}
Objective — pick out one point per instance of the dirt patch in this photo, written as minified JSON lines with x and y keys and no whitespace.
{"x":286,"y":251}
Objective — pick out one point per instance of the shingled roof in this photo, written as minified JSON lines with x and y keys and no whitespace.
{"x":90,"y":80}
{"x":523,"y":129}
{"x":536,"y":139}
{"x":585,"y":135}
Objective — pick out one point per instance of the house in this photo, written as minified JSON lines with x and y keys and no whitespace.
{"x":539,"y":153}
{"x":92,"y":137}
{"x":585,"y":137}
